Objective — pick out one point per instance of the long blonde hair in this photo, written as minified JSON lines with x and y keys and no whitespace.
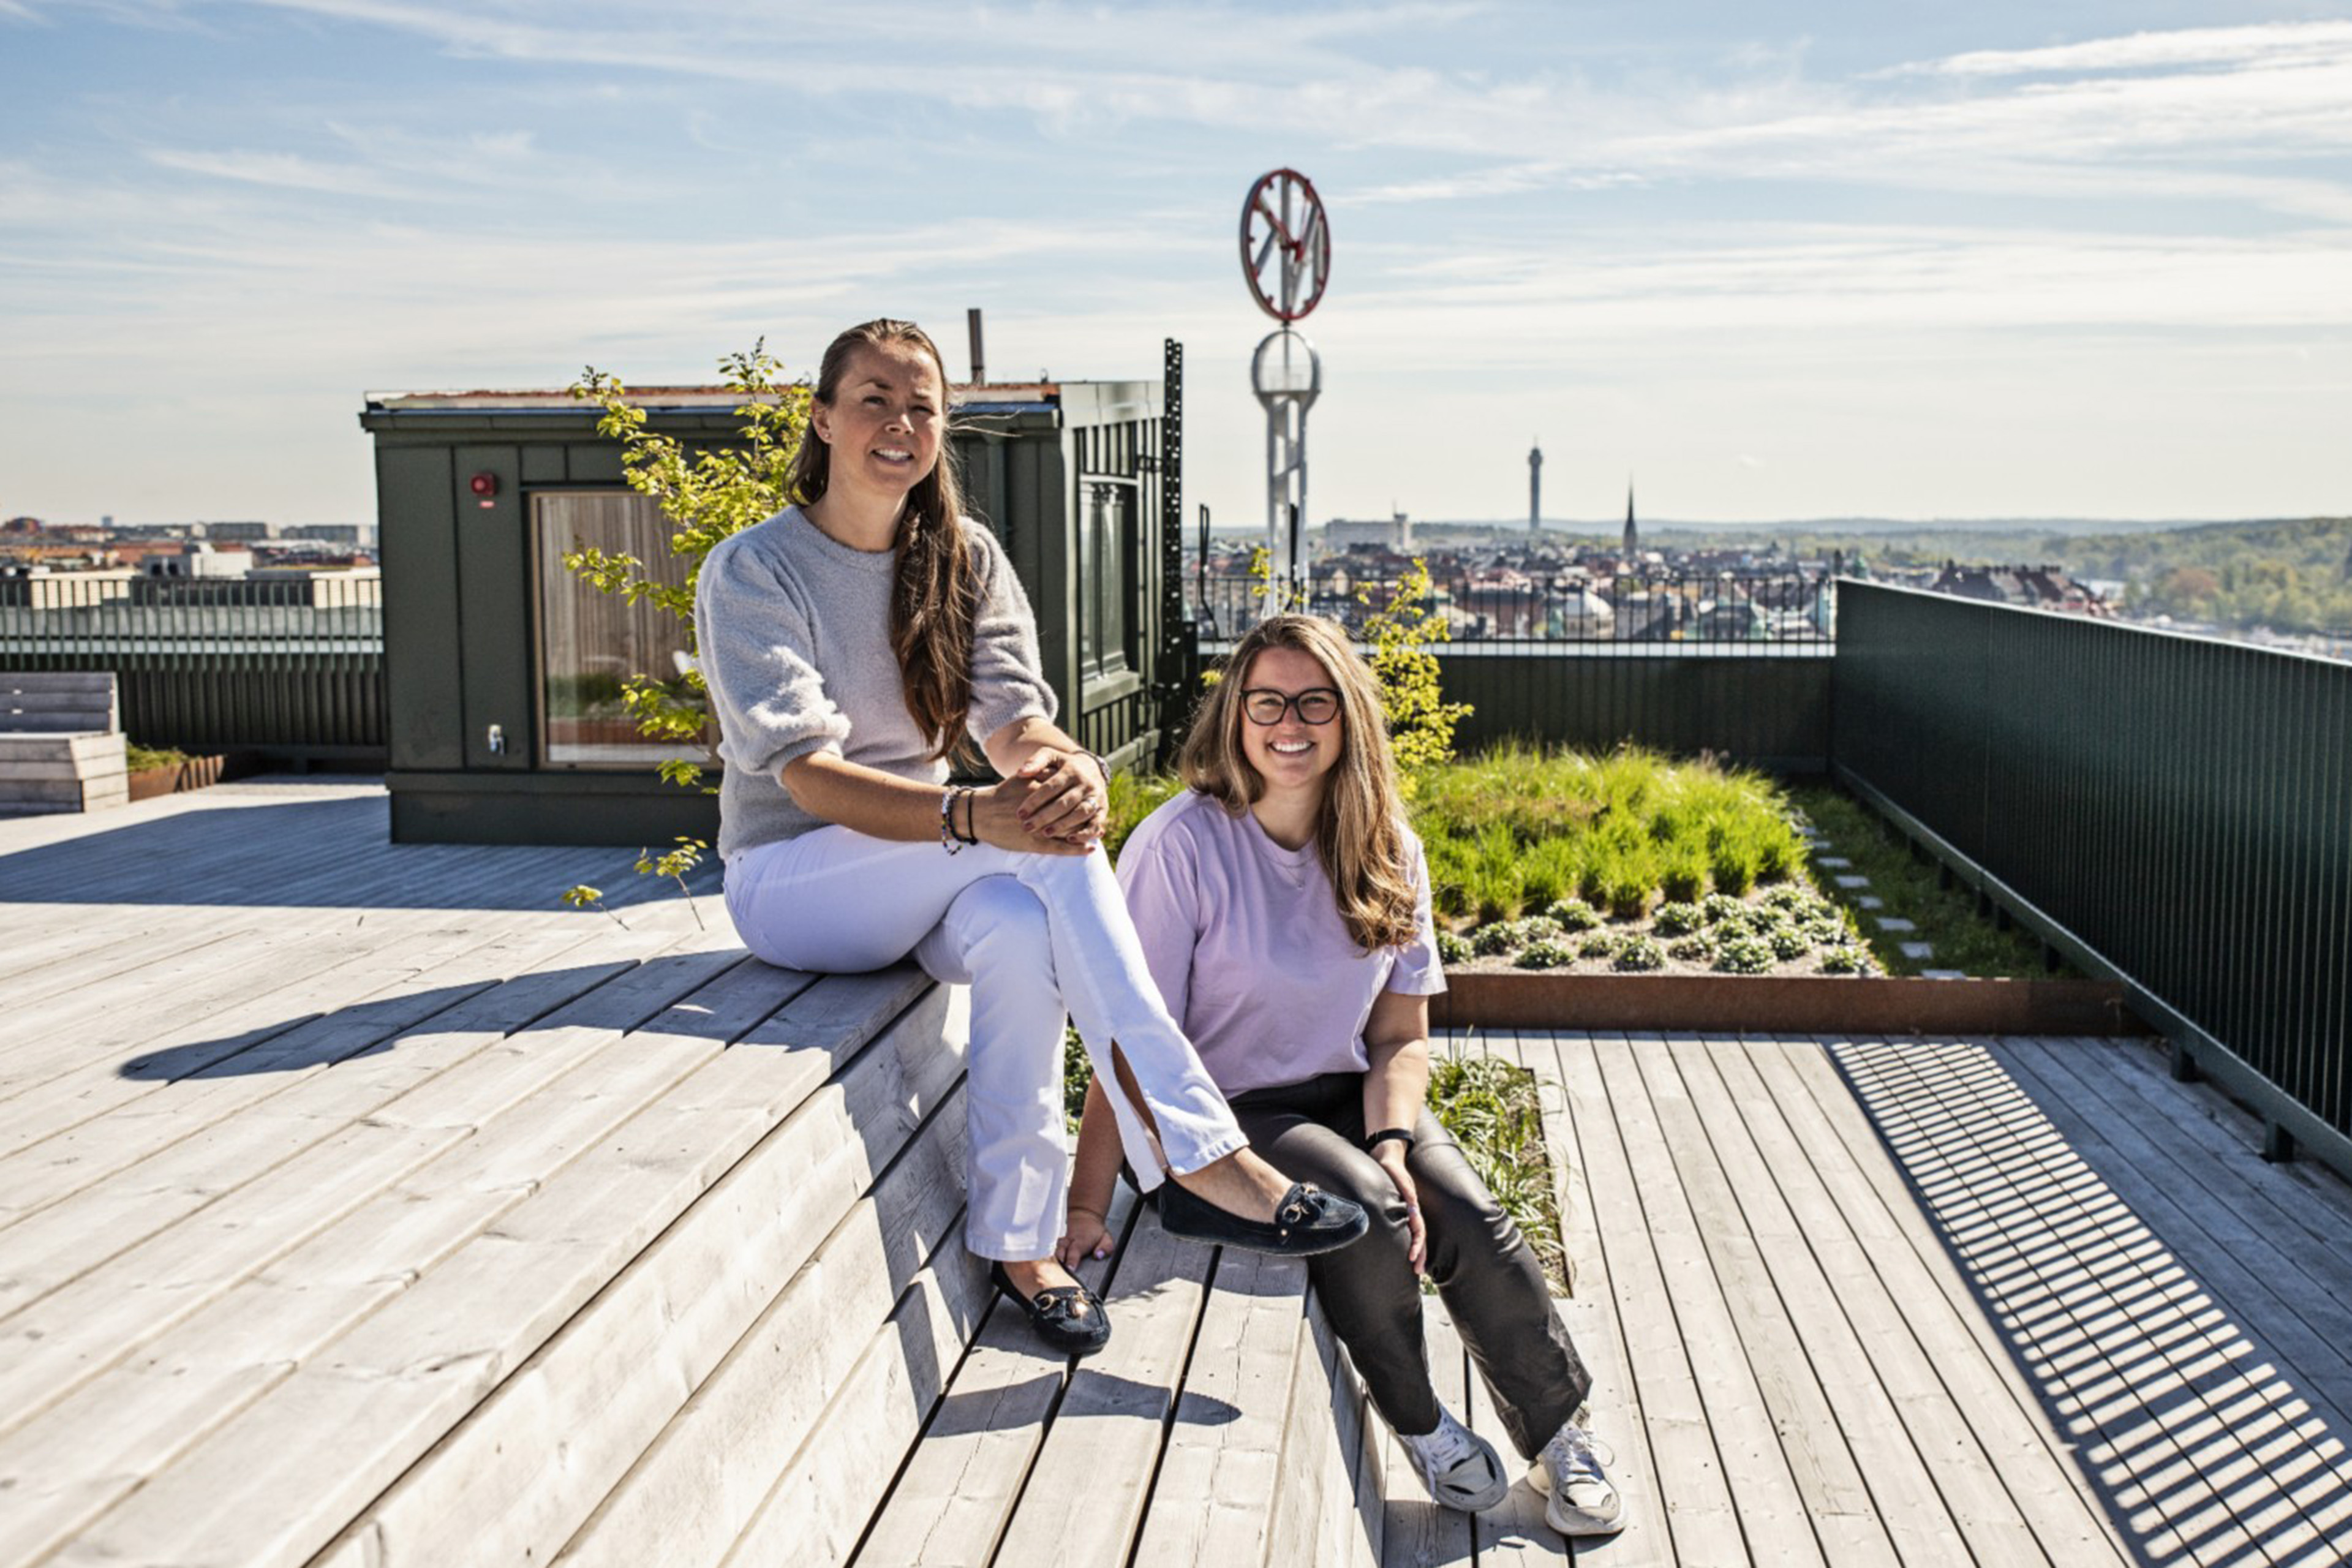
{"x":1359,"y":829}
{"x":935,"y":598}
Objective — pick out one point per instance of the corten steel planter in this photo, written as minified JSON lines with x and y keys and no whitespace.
{"x":194,"y":773}
{"x":1782,"y":1004}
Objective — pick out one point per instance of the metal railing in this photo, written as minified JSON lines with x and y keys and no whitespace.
{"x":1733,"y":663}
{"x":289,"y":668}
{"x":2174,"y":811}
{"x":1748,"y":610}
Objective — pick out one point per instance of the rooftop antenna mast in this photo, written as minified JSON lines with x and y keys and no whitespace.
{"x":1286,"y":261}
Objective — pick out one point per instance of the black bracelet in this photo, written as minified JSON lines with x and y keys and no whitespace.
{"x":1384,"y":1135}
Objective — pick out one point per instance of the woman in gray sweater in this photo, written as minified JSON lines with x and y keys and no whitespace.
{"x":852,"y":644}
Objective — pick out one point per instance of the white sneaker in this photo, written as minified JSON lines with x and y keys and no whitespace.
{"x":1579,"y":1497}
{"x":1460,"y":1468}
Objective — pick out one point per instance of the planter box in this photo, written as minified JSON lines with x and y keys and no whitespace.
{"x":1782,"y":1004}
{"x":194,"y":774}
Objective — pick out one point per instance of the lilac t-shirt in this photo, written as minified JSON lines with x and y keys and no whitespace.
{"x":1248,"y":945}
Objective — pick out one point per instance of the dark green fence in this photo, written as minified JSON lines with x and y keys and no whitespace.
{"x":289,"y":669}
{"x":2173,"y":810}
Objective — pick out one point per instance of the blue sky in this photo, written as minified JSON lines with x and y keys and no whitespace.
{"x":1788,"y":261}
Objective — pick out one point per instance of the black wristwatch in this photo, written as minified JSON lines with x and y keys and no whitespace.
{"x":1386,"y":1133}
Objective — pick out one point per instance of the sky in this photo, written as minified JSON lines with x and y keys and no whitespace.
{"x":2012,"y":258}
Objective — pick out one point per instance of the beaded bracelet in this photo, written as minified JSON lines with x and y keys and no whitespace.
{"x":950,"y":840}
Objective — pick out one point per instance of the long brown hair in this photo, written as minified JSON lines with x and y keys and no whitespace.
{"x":1359,"y":830}
{"x":935,"y":599}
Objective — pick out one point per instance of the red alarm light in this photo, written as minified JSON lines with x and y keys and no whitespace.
{"x":485,"y":484}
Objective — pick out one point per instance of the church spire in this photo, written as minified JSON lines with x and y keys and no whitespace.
{"x":1632,"y":533}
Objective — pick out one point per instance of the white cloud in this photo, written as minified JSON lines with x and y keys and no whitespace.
{"x":2287,"y":43}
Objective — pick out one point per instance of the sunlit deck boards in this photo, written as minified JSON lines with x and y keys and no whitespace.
{"x":1999,"y":1302}
{"x":275,"y":1095}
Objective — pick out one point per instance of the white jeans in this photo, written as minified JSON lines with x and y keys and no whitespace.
{"x":1034,"y":936}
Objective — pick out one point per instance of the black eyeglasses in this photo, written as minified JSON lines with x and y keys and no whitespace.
{"x":1315,"y":705}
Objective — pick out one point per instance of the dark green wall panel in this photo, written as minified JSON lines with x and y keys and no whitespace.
{"x":493,"y":608}
{"x":424,"y":685}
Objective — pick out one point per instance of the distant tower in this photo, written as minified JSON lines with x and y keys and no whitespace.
{"x":1535,"y":489}
{"x":1632,"y":534}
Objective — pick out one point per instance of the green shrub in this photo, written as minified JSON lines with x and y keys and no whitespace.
{"x":1791,"y":898}
{"x":1453,"y":949}
{"x":1628,"y":891}
{"x":1788,"y":943}
{"x":1573,"y":914}
{"x":1544,"y":955}
{"x":1693,"y":950}
{"x":1841,"y":960}
{"x":1733,"y":869}
{"x":1719,"y":907}
{"x":1744,"y":955}
{"x":1683,"y":878}
{"x":1638,"y":952}
{"x":1491,"y":941}
{"x":1679,"y":918}
{"x":1599,"y":945}
{"x":1537,"y":928}
{"x":139,"y":759}
{"x":1494,"y":1110}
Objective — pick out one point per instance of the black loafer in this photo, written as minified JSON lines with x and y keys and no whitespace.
{"x":1053,"y":1315}
{"x":1308,"y":1220}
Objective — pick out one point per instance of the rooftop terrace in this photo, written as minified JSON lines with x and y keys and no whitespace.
{"x":360,"y":1205}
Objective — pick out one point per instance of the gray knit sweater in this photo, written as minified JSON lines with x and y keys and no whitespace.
{"x":794,"y":631}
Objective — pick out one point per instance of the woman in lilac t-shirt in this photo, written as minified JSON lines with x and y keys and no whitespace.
{"x":1284,"y":910}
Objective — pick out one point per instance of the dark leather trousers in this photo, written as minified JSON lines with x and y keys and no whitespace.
{"x":1490,"y":1282}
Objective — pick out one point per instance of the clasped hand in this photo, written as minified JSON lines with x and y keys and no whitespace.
{"x":1056,"y":802}
{"x":1066,"y":799}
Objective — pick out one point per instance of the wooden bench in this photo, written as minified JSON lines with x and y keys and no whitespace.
{"x":673,"y":1274}
{"x":62,"y":744}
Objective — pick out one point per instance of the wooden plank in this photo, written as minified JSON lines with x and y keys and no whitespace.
{"x":2285,"y":1318}
{"x":147,"y":1163}
{"x":1230,"y":1463}
{"x":2281,"y":1228}
{"x":1701,"y":1309}
{"x":616,"y":1374}
{"x":445,"y":1241}
{"x":521,"y":1245}
{"x":1695,"y":1494}
{"x":1085,"y":1496}
{"x":2319,"y":1199}
{"x":382,"y":1118}
{"x":950,"y":1505}
{"x":1938,"y":1373}
{"x":105,"y":1211}
{"x":2103,"y":1312}
{"x":811,"y":1516}
{"x":1614,"y":1405}
{"x":1853,"y":1526}
{"x":1815,"y":1095}
{"x":1887,"y":1400}
{"x":1331,"y":1416}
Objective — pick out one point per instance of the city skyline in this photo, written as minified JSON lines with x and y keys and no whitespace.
{"x":2072,"y":261}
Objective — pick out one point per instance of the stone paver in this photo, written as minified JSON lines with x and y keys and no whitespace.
{"x":1869,"y":902}
{"x":1852,"y":881}
{"x":1915,"y":950}
{"x":1943,"y":974}
{"x":1836,"y":862}
{"x":1892,"y":922}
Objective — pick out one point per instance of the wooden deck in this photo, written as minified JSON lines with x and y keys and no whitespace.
{"x":329,"y":1168}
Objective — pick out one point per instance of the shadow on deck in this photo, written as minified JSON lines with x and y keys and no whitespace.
{"x":2182,"y":1311}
